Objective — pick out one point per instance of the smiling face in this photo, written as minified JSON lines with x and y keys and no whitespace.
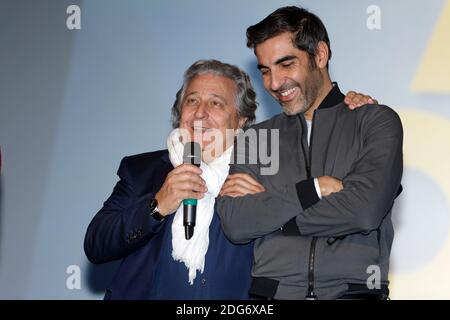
{"x":288,"y":74}
{"x":208,"y":109}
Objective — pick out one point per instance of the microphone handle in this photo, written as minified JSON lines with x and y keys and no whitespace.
{"x":190,"y":201}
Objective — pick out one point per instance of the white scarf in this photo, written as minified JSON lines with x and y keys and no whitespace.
{"x":192,"y":252}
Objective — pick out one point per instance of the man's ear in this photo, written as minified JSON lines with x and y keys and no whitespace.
{"x":322,"y":54}
{"x":242,"y":121}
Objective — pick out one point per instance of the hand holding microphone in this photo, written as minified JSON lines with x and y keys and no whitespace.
{"x":183,"y":182}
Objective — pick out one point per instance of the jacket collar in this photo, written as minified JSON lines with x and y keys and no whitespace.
{"x":333,"y":98}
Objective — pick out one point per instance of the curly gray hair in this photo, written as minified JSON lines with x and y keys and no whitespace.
{"x":245,"y":94}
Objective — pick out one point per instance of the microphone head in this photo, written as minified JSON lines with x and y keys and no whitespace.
{"x":192,"y":153}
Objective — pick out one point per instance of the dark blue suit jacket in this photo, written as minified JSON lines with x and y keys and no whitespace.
{"x":124,"y":229}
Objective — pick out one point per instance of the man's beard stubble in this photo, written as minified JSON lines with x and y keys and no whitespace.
{"x":308,"y":93}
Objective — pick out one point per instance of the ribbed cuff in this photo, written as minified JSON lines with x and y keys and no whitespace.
{"x":306,"y":192}
{"x":291,"y":228}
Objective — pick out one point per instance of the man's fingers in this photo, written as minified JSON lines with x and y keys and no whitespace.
{"x":364,"y":100}
{"x":349,"y":98}
{"x":226,"y":190}
{"x":243,"y":185}
{"x":191,"y":195}
{"x":340,"y":185}
{"x":187,"y":176}
{"x":350,"y":95}
{"x":233,"y":194}
{"x":235,"y":190}
{"x":356,"y":100}
{"x":186,"y":168}
{"x":190,"y":186}
{"x":247,"y":178}
{"x":240,"y":187}
{"x":361,"y":99}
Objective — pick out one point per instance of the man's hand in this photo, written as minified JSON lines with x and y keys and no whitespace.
{"x":183,"y":182}
{"x":355,"y":100}
{"x":329,"y":185}
{"x":240,"y":184}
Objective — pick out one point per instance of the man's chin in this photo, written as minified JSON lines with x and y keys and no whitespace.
{"x":291,"y":111}
{"x":293,"y":107}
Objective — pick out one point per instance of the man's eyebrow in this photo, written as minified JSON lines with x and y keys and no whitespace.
{"x":286,"y":58}
{"x":220,"y":97}
{"x":281,"y":60}
{"x":191,"y":93}
{"x":261,"y":66}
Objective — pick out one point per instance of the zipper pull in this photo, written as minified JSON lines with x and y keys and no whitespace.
{"x":311,"y":295}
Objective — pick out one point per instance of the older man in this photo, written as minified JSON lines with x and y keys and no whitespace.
{"x":135,"y":223}
{"x":140,"y":222}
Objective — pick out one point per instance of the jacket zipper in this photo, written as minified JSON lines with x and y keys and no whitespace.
{"x":312,"y":251}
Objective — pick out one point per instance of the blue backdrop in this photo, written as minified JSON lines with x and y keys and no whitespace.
{"x":74,"y":102}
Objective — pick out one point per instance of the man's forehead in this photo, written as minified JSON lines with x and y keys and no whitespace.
{"x":210,"y":84}
{"x":276,"y":48}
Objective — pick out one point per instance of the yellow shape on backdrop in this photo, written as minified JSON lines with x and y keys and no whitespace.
{"x":425,"y":148}
{"x":433,"y":75}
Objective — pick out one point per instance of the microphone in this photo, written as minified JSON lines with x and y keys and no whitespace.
{"x":192,"y":154}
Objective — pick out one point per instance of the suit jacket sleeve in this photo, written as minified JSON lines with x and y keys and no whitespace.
{"x":123,"y":224}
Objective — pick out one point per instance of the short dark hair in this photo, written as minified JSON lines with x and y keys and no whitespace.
{"x":307,"y":28}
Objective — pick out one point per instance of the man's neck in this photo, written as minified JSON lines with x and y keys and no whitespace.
{"x":323,"y":91}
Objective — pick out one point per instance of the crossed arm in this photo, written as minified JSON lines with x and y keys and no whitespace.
{"x":367,"y":193}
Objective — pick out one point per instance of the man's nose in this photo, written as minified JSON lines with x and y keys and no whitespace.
{"x":202,"y":111}
{"x":276,"y":81}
